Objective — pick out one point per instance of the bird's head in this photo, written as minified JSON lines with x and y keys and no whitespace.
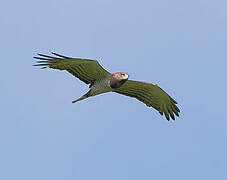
{"x":118,"y":79}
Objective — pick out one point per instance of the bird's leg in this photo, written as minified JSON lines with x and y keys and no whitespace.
{"x":83,"y":97}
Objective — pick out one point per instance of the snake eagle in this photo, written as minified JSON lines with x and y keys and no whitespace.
{"x":101,"y":81}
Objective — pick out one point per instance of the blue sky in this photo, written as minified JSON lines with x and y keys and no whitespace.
{"x":180,"y":45}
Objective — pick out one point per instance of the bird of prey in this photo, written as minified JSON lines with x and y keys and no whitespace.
{"x":101,"y":81}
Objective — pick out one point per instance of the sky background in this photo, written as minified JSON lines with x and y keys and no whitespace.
{"x":180,"y":45}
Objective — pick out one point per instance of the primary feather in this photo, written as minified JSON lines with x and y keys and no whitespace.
{"x":152,"y":96}
{"x":85,"y":69}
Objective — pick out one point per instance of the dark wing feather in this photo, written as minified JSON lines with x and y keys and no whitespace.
{"x":151,"y":95}
{"x":85,"y":69}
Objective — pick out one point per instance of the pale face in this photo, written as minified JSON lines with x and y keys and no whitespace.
{"x":124,"y":75}
{"x":118,"y":79}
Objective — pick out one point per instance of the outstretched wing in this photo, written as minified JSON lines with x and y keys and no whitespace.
{"x":85,"y":69}
{"x":151,"y":95}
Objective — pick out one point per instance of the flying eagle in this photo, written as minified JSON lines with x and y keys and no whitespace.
{"x":101,"y":81}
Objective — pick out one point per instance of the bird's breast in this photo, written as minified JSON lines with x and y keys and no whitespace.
{"x":100,"y":86}
{"x":117,"y":83}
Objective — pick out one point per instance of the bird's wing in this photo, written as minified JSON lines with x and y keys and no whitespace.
{"x":85,"y":69}
{"x":151,"y":95}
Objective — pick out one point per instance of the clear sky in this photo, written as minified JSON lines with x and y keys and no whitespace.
{"x":180,"y":45}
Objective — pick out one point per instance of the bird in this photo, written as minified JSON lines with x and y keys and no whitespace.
{"x":101,"y":81}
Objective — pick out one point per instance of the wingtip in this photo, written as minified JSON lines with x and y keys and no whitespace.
{"x":172,"y":116}
{"x":59,"y":55}
{"x":39,"y":54}
{"x":42,"y":58}
{"x":177,"y":109}
{"x":175,"y":102}
{"x":46,"y":56}
{"x":44,"y":67}
{"x":167,"y":116}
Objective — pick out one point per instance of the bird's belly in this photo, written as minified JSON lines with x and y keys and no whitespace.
{"x":100,"y":87}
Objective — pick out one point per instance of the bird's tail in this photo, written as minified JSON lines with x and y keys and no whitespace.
{"x":83,"y":97}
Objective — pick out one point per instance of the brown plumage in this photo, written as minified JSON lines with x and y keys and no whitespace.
{"x":101,"y":81}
